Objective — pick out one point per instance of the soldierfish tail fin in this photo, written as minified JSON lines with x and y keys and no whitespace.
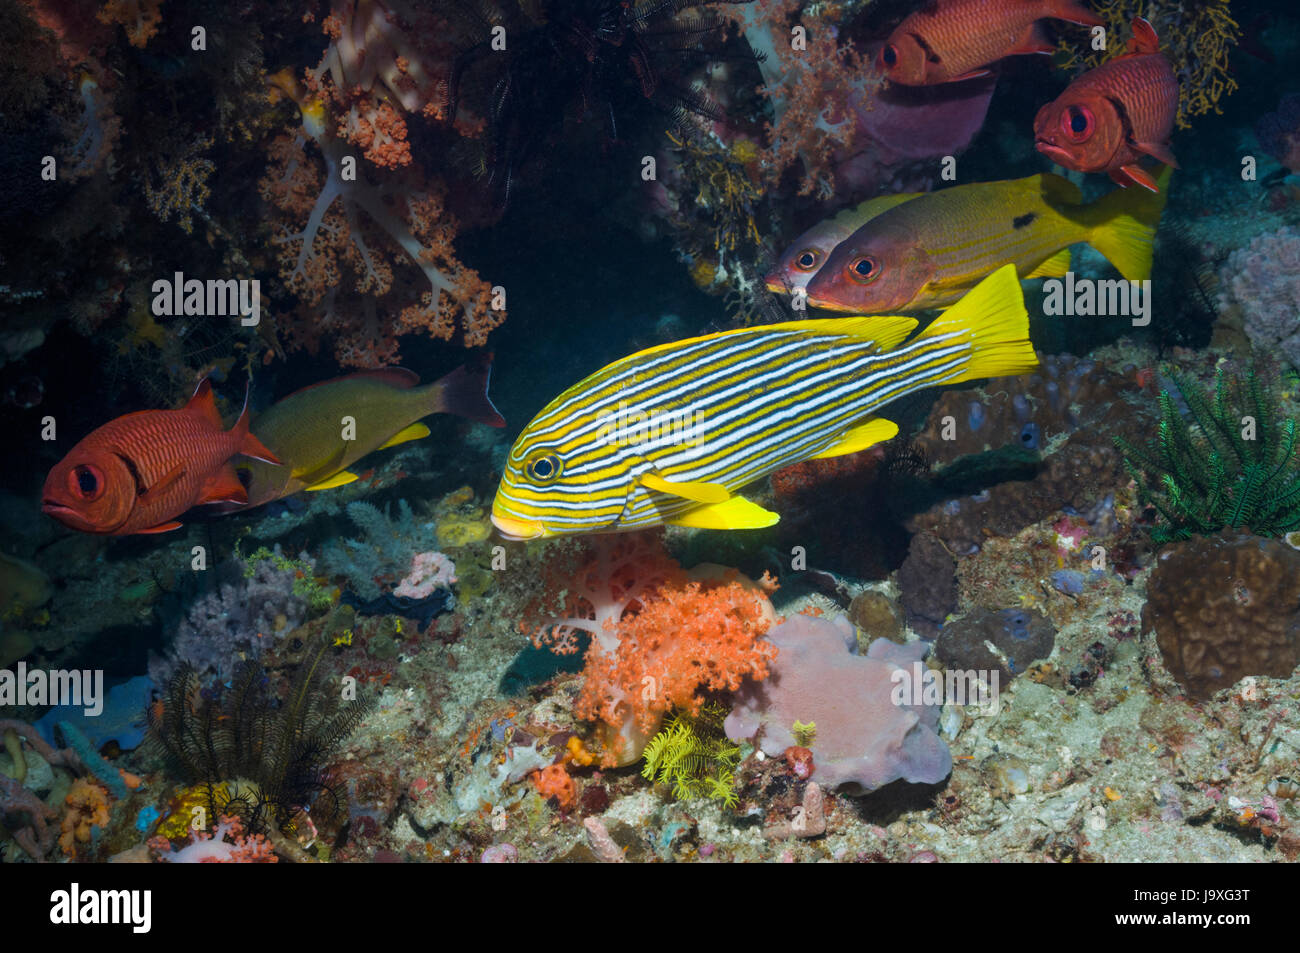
{"x":1123,"y":226}
{"x":994,"y":324}
{"x":1144,"y":39}
{"x":1071,"y":11}
{"x":248,"y":444}
{"x":464,"y":392}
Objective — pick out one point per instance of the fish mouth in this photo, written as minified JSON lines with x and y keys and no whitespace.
{"x":1051,"y":150}
{"x":776,"y":284}
{"x":54,"y":508}
{"x":515,"y":529}
{"x":827,"y":304}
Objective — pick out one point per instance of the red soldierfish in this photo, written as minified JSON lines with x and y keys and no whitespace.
{"x":951,"y":40}
{"x":137,"y":473}
{"x":1111,"y":116}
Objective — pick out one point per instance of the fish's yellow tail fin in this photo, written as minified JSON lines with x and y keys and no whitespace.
{"x":1122,"y":226}
{"x":993,"y":321}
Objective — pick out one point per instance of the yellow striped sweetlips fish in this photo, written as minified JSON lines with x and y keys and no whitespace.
{"x":807,"y":253}
{"x":929,"y":252}
{"x":670,"y":434}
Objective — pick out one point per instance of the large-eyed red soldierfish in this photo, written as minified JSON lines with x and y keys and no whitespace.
{"x":137,"y":473}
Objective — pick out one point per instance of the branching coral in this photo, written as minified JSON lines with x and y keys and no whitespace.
{"x":1197,"y":35}
{"x":182,"y":184}
{"x":1229,"y":462}
{"x":349,"y":247}
{"x":659,"y":640}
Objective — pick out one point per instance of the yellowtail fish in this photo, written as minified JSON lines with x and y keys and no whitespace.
{"x":929,"y":252}
{"x":324,"y":429}
{"x":669,"y":434}
{"x":807,"y":253}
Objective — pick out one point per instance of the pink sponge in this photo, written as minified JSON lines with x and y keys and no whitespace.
{"x":863,"y":740}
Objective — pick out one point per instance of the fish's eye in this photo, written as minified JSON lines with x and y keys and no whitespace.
{"x":864,"y":270}
{"x":889,"y":55}
{"x":1076,"y":123}
{"x":86,"y":482}
{"x":544,"y":469}
{"x":807,"y":259}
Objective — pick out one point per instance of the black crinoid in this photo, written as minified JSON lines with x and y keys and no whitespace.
{"x":616,"y":63}
{"x":260,"y":756}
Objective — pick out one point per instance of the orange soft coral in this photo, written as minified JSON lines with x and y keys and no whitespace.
{"x":87,"y":804}
{"x":139,"y":18}
{"x":554,"y":781}
{"x":665,"y":638}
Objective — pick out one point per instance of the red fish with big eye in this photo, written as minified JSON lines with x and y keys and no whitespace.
{"x":947,"y":41}
{"x":1110,"y":117}
{"x":137,"y":473}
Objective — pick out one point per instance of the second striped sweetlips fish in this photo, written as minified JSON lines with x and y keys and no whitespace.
{"x":807,"y":253}
{"x":929,"y":252}
{"x":308,"y":430}
{"x":670,"y":434}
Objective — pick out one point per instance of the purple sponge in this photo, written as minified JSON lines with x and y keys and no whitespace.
{"x":863,"y":740}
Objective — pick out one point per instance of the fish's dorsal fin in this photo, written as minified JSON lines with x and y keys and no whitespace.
{"x":887,"y":331}
{"x":342,"y":478}
{"x":1057,"y":189}
{"x":203,"y":403}
{"x":864,"y":435}
{"x":871,"y":208}
{"x":735,"y":513}
{"x":396,"y":377}
{"x":696,"y":492}
{"x":1144,"y":39}
{"x":1053,"y":267}
{"x":416,"y":431}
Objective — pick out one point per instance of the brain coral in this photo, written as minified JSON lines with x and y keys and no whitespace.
{"x":1224,"y":607}
{"x":863,"y":740}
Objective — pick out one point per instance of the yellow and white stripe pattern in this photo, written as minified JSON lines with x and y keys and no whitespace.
{"x":667,"y":435}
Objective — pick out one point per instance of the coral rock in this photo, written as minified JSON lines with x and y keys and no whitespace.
{"x":1224,"y":607}
{"x":1020,"y":636}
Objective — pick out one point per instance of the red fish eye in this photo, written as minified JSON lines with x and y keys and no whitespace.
{"x":1076,"y":123}
{"x":889,"y":55}
{"x":807,"y":259}
{"x":86,"y":482}
{"x":864,"y":270}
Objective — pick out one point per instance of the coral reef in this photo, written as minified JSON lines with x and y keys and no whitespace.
{"x":348,"y":244}
{"x":927,"y":584}
{"x":864,"y":739}
{"x":1008,"y":640}
{"x":1279,"y":132}
{"x":658,"y":639}
{"x":1224,"y":607}
{"x":1262,"y":281}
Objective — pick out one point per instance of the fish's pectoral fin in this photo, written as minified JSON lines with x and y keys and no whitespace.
{"x":1054,"y":267}
{"x":161,"y":528}
{"x":322,"y":471}
{"x":1158,"y":150}
{"x":1134,"y":174}
{"x":416,"y":431}
{"x":735,"y":513}
{"x":696,"y":492}
{"x":973,"y":74}
{"x":874,"y":431}
{"x":224,"y":486}
{"x":342,"y":478}
{"x":171,"y":476}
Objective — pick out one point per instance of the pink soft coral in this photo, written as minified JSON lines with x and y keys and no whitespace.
{"x":660,"y":639}
{"x":228,"y":844}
